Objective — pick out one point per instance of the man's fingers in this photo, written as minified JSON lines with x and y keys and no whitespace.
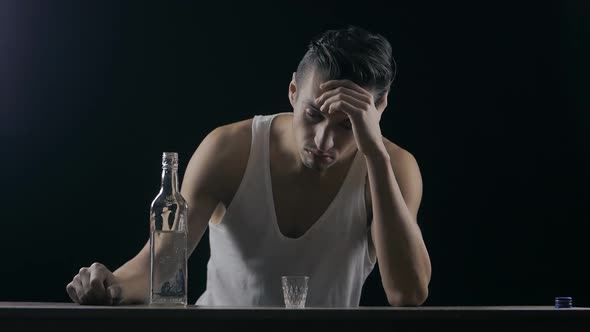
{"x":96,"y":283}
{"x":345,"y":107}
{"x":110,"y":278}
{"x":346,"y":91}
{"x":114,"y":294}
{"x":344,"y":98}
{"x":90,"y":294}
{"x":84,"y":278}
{"x":71,"y":289}
{"x":113,"y":289}
{"x":90,"y":285}
{"x":79,"y":289}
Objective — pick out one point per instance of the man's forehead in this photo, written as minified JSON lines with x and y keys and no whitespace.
{"x":312,"y":82}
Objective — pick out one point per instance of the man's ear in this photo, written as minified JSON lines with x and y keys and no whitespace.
{"x":292,"y":90}
{"x":381,"y":104}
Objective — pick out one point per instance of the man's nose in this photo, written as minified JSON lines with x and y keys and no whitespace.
{"x":324,"y":138}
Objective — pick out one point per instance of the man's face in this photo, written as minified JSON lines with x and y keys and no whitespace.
{"x":322,"y":139}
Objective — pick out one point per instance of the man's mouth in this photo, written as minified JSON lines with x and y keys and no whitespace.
{"x":319,"y":155}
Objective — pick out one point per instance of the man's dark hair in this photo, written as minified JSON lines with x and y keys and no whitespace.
{"x":351,"y":53}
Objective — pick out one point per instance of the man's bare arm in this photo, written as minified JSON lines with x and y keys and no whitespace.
{"x":202,"y":195}
{"x":203,"y":188}
{"x":404,"y":262}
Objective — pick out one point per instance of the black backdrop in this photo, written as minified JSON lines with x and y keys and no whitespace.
{"x":492,"y":100}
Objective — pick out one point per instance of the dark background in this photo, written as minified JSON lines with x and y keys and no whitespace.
{"x":491,"y":99}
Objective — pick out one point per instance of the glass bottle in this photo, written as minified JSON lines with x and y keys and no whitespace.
{"x":168,"y":239}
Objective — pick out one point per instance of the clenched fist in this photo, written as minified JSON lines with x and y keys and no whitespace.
{"x":95,"y":285}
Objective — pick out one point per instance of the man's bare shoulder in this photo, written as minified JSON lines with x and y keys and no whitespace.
{"x":226,"y":140}
{"x":219,"y":161}
{"x":407,"y":173}
{"x":398,"y":154}
{"x":228,"y":146}
{"x":235,"y":132}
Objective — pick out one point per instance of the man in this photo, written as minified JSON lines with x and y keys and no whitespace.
{"x":317,"y":192}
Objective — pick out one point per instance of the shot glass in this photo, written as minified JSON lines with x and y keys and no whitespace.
{"x":294,"y":291}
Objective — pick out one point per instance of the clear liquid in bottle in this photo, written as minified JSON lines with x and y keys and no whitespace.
{"x":168,"y":239}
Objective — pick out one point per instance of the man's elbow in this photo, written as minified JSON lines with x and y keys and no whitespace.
{"x":408,"y":299}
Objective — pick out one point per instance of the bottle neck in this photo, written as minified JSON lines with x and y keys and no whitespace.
{"x":169,"y":181}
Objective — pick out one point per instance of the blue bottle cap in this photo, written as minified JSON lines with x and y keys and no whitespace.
{"x":563,"y":302}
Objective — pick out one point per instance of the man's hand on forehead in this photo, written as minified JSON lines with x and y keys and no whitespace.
{"x":357,"y":103}
{"x":345,"y":91}
{"x":342,"y":95}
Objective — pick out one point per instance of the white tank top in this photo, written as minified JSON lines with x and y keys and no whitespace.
{"x":249,"y":254}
